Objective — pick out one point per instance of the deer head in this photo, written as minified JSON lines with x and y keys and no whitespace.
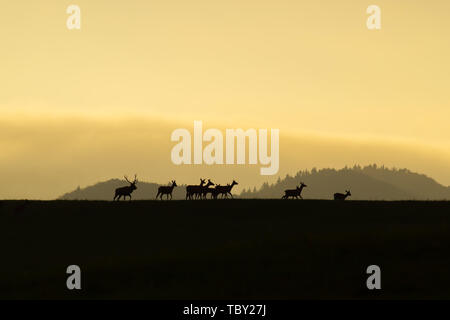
{"x":234,"y":183}
{"x":202,"y":182}
{"x":132,"y":184}
{"x":174,"y":184}
{"x":302,"y":185}
{"x":348,"y":193}
{"x":210,"y":183}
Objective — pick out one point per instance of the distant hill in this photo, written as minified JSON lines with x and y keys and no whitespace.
{"x":366,"y":183}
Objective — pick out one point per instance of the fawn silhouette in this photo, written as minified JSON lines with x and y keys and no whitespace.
{"x":192,"y":189}
{"x":341,"y":196}
{"x":294,"y":193}
{"x":223,"y":190}
{"x":126,"y":191}
{"x":166,"y":190}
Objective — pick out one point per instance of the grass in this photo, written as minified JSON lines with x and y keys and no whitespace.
{"x":230,"y":249}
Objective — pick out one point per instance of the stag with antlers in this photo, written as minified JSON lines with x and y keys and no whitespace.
{"x":166,"y":190}
{"x":126,"y":191}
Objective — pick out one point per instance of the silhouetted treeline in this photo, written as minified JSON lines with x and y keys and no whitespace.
{"x":367,"y":183}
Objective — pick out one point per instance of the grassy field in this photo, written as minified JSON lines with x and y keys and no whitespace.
{"x":239,"y":249}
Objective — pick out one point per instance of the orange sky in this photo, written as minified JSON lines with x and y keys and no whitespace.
{"x":84,"y":105}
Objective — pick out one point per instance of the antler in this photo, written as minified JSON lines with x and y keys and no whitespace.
{"x":135,"y":179}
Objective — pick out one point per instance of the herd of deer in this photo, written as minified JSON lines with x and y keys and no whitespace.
{"x":201,"y":191}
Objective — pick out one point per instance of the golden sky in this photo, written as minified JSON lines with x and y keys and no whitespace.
{"x":79,"y":106}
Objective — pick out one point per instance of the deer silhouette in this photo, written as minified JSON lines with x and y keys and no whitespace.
{"x":341,"y":196}
{"x":167,"y":190}
{"x":192,"y":189}
{"x":294,"y":193}
{"x":205,"y":189}
{"x":215,"y":191}
{"x":224,"y":190}
{"x":126,"y":191}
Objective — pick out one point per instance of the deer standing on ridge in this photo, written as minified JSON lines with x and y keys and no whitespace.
{"x":167,"y":190}
{"x":294,"y":193}
{"x":192,"y":189}
{"x":224,"y":190}
{"x":341,"y":196}
{"x":205,"y":189}
{"x":126,"y":191}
